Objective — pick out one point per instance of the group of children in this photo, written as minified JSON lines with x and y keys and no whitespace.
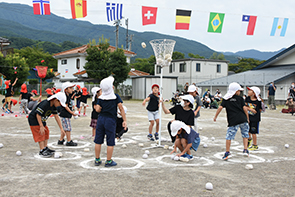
{"x":243,"y":114}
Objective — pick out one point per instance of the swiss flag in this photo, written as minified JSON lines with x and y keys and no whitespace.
{"x":149,"y":15}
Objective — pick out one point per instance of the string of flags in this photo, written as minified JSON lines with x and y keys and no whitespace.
{"x":114,"y":11}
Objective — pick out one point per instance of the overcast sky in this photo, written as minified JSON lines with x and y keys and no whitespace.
{"x":231,"y":38}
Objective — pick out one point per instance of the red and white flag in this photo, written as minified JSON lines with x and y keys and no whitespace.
{"x":149,"y":15}
{"x":248,"y":24}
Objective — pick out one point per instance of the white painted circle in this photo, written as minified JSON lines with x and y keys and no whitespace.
{"x":239,"y":158}
{"x":260,"y":149}
{"x":84,"y":144}
{"x":77,"y":156}
{"x":208,"y":162}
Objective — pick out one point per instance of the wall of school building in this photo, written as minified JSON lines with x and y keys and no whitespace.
{"x":141,"y":86}
{"x":71,"y":66}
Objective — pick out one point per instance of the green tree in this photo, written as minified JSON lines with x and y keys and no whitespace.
{"x":191,"y":55}
{"x":244,"y":64}
{"x":221,"y":57}
{"x":214,"y":56}
{"x":50,"y":47}
{"x":66,"y":45}
{"x":145,"y":64}
{"x":177,"y":55}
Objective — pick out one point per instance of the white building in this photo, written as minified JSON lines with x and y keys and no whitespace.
{"x":194,"y":70}
{"x":72,"y":61}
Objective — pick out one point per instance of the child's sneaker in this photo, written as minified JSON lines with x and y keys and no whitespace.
{"x":45,"y":153}
{"x":71,"y":143}
{"x":226,"y":156}
{"x":3,"y":109}
{"x":246,"y":152}
{"x":7,"y":112}
{"x":249,"y":142}
{"x":61,"y":142}
{"x":156,"y":136}
{"x":150,"y":137}
{"x":253,"y":147}
{"x":110,"y":163}
{"x":185,"y":155}
{"x":10,"y":111}
{"x":190,"y":157}
{"x":97,"y":162}
{"x":49,"y":150}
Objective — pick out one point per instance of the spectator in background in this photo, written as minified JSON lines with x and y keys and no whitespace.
{"x":218,"y":96}
{"x":291,"y":106}
{"x":271,"y":95}
{"x":186,"y":87}
{"x":291,"y":91}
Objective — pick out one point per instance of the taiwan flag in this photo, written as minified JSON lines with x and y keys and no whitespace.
{"x":149,"y":15}
{"x":41,"y":7}
{"x":248,"y":24}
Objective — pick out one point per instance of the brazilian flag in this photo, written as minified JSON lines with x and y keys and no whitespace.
{"x":215,"y":22}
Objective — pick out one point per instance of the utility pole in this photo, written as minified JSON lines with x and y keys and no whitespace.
{"x":130,"y":42}
{"x":127,"y":35}
{"x":117,"y":23}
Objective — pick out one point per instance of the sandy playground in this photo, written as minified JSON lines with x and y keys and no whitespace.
{"x":74,"y":174}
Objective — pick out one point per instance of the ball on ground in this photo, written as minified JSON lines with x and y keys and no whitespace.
{"x":183,"y":159}
{"x":212,"y":138}
{"x":18,"y":153}
{"x":124,"y":146}
{"x":209,"y":186}
{"x":1,"y":145}
{"x":75,"y":141}
{"x":140,"y":144}
{"x":172,"y":157}
{"x":205,"y":145}
{"x":249,"y":167}
{"x":2,"y":114}
{"x":15,"y":115}
{"x":143,"y":45}
{"x":166,"y":147}
{"x":200,"y":128}
{"x":147,"y":152}
{"x":286,"y":145}
{"x":145,"y":156}
{"x":86,"y":149}
{"x":176,"y":158}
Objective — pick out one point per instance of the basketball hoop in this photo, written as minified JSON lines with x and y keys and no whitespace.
{"x":163,"y":49}
{"x":42,"y":71}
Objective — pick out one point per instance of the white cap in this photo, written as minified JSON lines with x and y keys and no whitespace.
{"x":192,"y":88}
{"x":61,"y":96}
{"x":188,"y":97}
{"x":176,"y":125}
{"x":232,"y":89}
{"x":67,"y":85}
{"x":256,"y":91}
{"x":94,"y":90}
{"x":107,"y":91}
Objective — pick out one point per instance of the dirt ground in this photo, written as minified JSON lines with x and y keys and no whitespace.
{"x":75,"y":174}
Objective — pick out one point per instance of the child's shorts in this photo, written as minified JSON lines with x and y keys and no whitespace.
{"x":83,"y":104}
{"x":231,"y":131}
{"x":153,"y":115}
{"x":66,"y":124}
{"x":8,"y":99}
{"x":93,"y":123}
{"x":36,"y":133}
{"x":78,"y":103}
{"x":105,"y":126}
{"x":196,"y":144}
{"x":254,"y":127}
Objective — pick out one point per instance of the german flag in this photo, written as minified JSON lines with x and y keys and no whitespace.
{"x":79,"y":8}
{"x":183,"y":18}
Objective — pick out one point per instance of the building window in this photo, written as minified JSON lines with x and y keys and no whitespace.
{"x":173,"y":64}
{"x":218,"y":68}
{"x":170,"y":68}
{"x":198,"y":67}
{"x":63,"y":62}
{"x":182,"y":67}
{"x":78,"y":64}
{"x":158,"y":69}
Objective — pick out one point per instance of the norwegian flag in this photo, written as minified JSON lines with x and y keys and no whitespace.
{"x":41,"y":7}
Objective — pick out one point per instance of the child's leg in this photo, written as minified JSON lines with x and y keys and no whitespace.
{"x":99,"y":135}
{"x":254,"y":139}
{"x":228,"y":142}
{"x":230,"y":135}
{"x":250,"y":136}
{"x":178,"y":144}
{"x":42,"y":145}
{"x":157,"y":125}
{"x":110,"y":130}
{"x":184,"y":144}
{"x":151,"y":126}
{"x":21,"y":107}
{"x":93,"y":132}
{"x":245,"y":134}
{"x":9,"y":106}
{"x":97,"y":150}
{"x":110,"y":150}
{"x":26,"y":107}
{"x":85,"y":109}
{"x":68,"y":134}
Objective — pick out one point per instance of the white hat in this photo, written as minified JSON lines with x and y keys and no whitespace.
{"x":67,"y":85}
{"x":94,"y":90}
{"x":176,"y":125}
{"x":256,"y":91}
{"x":107,"y":91}
{"x":192,"y":88}
{"x":61,"y":96}
{"x":232,"y":89}
{"x":188,"y":97}
{"x":125,"y":110}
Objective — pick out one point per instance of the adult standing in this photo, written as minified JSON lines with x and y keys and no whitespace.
{"x":271,"y":95}
{"x":291,"y":91}
{"x":186,"y":87}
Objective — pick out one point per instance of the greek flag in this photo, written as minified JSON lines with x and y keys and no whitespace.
{"x":114,"y":11}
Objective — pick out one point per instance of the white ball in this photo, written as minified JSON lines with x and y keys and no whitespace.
{"x":145,"y":156}
{"x":184,"y":159}
{"x":75,"y":141}
{"x":124,"y":146}
{"x":76,"y":117}
{"x":159,"y":61}
{"x":176,"y":158}
{"x":57,"y":155}
{"x":212,"y":138}
{"x":1,"y":145}
{"x":166,"y":147}
{"x":143,"y":45}
{"x":205,"y":145}
{"x":140,"y":144}
{"x":209,"y":186}
{"x":172,"y":157}
{"x":167,"y":56}
{"x":286,"y":145}
{"x":18,"y":153}
{"x":122,"y":140}
{"x":86,"y":149}
{"x":76,"y":112}
{"x":147,"y":152}
{"x":249,"y":167}
{"x":200,"y":128}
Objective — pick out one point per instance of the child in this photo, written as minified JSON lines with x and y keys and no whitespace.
{"x":33,"y":102}
{"x":237,"y":117}
{"x":153,"y":111}
{"x":120,"y":130}
{"x":192,"y":90}
{"x":106,"y":123}
{"x":83,"y":100}
{"x":78,"y":95}
{"x":291,"y":106}
{"x":186,"y":139}
{"x":37,"y":121}
{"x":23,"y":99}
{"x":253,"y":103}
{"x":183,"y":112}
{"x":49,"y":92}
{"x":96,"y":92}
{"x":8,"y":95}
{"x":66,"y":114}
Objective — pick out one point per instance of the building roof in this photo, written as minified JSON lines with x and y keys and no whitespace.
{"x":82,"y":50}
{"x":137,"y":73}
{"x":276,"y":58}
{"x":253,"y":77}
{"x":4,"y":40}
{"x":203,"y":60}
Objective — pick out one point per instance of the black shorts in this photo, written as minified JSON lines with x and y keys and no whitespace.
{"x":254,"y":127}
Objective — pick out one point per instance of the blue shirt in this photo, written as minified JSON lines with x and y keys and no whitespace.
{"x":109,"y":107}
{"x":271,"y":90}
{"x":189,"y":137}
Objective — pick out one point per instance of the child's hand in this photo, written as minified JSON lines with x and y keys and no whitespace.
{"x":42,"y":130}
{"x":214,"y":119}
{"x":179,"y":155}
{"x":174,"y":150}
{"x":63,"y":131}
{"x":124,"y":124}
{"x":143,"y":103}
{"x":252,"y":110}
